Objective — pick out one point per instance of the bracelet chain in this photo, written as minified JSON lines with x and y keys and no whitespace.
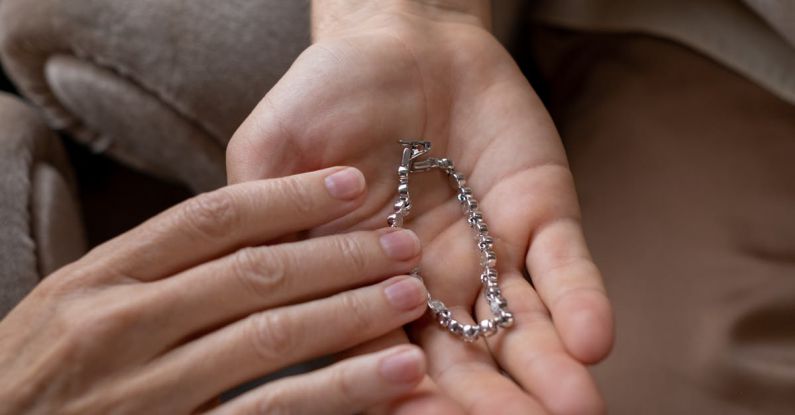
{"x":412,"y":150}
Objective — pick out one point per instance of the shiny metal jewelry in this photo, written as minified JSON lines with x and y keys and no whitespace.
{"x":409,"y":163}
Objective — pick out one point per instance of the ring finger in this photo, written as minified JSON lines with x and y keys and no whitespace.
{"x":266,"y":341}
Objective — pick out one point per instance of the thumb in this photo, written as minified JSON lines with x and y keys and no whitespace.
{"x":261,"y":147}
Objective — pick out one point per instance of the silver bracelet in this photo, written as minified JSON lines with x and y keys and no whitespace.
{"x":409,"y":163}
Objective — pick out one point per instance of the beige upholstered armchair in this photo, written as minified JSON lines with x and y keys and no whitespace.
{"x":157,"y":86}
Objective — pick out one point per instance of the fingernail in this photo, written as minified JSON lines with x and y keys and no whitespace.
{"x":345,"y":184}
{"x":406,"y":294}
{"x":402,"y":367}
{"x":401,"y":244}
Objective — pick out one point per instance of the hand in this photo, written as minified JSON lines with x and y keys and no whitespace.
{"x":398,"y":74}
{"x":190,"y":304}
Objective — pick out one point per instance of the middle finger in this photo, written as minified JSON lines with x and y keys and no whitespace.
{"x":260,"y":278}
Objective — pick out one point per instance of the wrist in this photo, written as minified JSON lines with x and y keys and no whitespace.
{"x":335,"y":18}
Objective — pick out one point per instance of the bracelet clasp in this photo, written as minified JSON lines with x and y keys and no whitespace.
{"x":411,"y":151}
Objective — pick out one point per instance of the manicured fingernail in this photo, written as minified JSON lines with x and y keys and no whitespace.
{"x":345,"y":184}
{"x":401,"y":244}
{"x":406,"y":294}
{"x":402,"y":367}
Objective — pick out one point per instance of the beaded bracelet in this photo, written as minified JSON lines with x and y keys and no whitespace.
{"x":409,"y":163}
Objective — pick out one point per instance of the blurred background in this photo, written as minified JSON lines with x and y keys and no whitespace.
{"x":110,"y":192}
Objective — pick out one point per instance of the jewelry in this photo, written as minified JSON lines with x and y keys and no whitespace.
{"x":412,"y":150}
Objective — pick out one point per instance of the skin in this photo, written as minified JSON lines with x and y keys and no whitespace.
{"x":199,"y":299}
{"x":418,"y":70}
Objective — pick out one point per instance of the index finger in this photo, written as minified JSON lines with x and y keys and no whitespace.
{"x":219,"y":222}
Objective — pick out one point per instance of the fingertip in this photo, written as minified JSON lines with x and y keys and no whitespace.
{"x":406,"y":294}
{"x":586,"y":326}
{"x":345,"y":183}
{"x":400,"y":244}
{"x":403,"y":365}
{"x":571,"y":380}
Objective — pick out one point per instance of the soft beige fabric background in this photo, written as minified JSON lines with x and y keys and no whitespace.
{"x":39,"y":219}
{"x":755,"y":37}
{"x":149,"y":81}
{"x":685,"y":174}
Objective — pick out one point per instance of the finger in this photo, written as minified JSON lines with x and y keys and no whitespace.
{"x":266,"y":341}
{"x":425,"y":398}
{"x":534,"y":213}
{"x":261,"y":278}
{"x":532,"y":353}
{"x":221,"y":221}
{"x":571,"y":287}
{"x":346,"y":387}
{"x":466,"y":372}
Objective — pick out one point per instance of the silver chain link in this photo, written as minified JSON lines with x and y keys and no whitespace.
{"x":409,"y":163}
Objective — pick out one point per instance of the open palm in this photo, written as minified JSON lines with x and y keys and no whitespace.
{"x":349,"y":100}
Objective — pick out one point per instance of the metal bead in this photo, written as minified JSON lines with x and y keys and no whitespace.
{"x":485,"y":242}
{"x":488,"y":259}
{"x":444,"y":317}
{"x":488,"y":328}
{"x":456,"y":327}
{"x":487,"y":279}
{"x":403,"y":171}
{"x":437,"y":306}
{"x":471,"y":204}
{"x":471,"y":332}
{"x":505,"y":319}
{"x":402,"y":204}
{"x":394,"y":220}
{"x":499,"y":301}
{"x":493,"y":291}
{"x":458,"y":180}
{"x":482,"y":228}
{"x":497,"y":305}
{"x":474,"y":216}
{"x":403,"y":189}
{"x":490,"y":282}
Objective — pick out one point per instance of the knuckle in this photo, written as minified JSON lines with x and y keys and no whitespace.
{"x":81,"y":334}
{"x":357,"y":311}
{"x":530,"y":314}
{"x":83,"y":325}
{"x":259,"y":270}
{"x":104,"y":323}
{"x":271,"y":335}
{"x":295,"y":193}
{"x":69,"y":279}
{"x":527,"y":311}
{"x":211,"y":215}
{"x":353,"y":251}
{"x":344,"y":380}
{"x":274,"y":401}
